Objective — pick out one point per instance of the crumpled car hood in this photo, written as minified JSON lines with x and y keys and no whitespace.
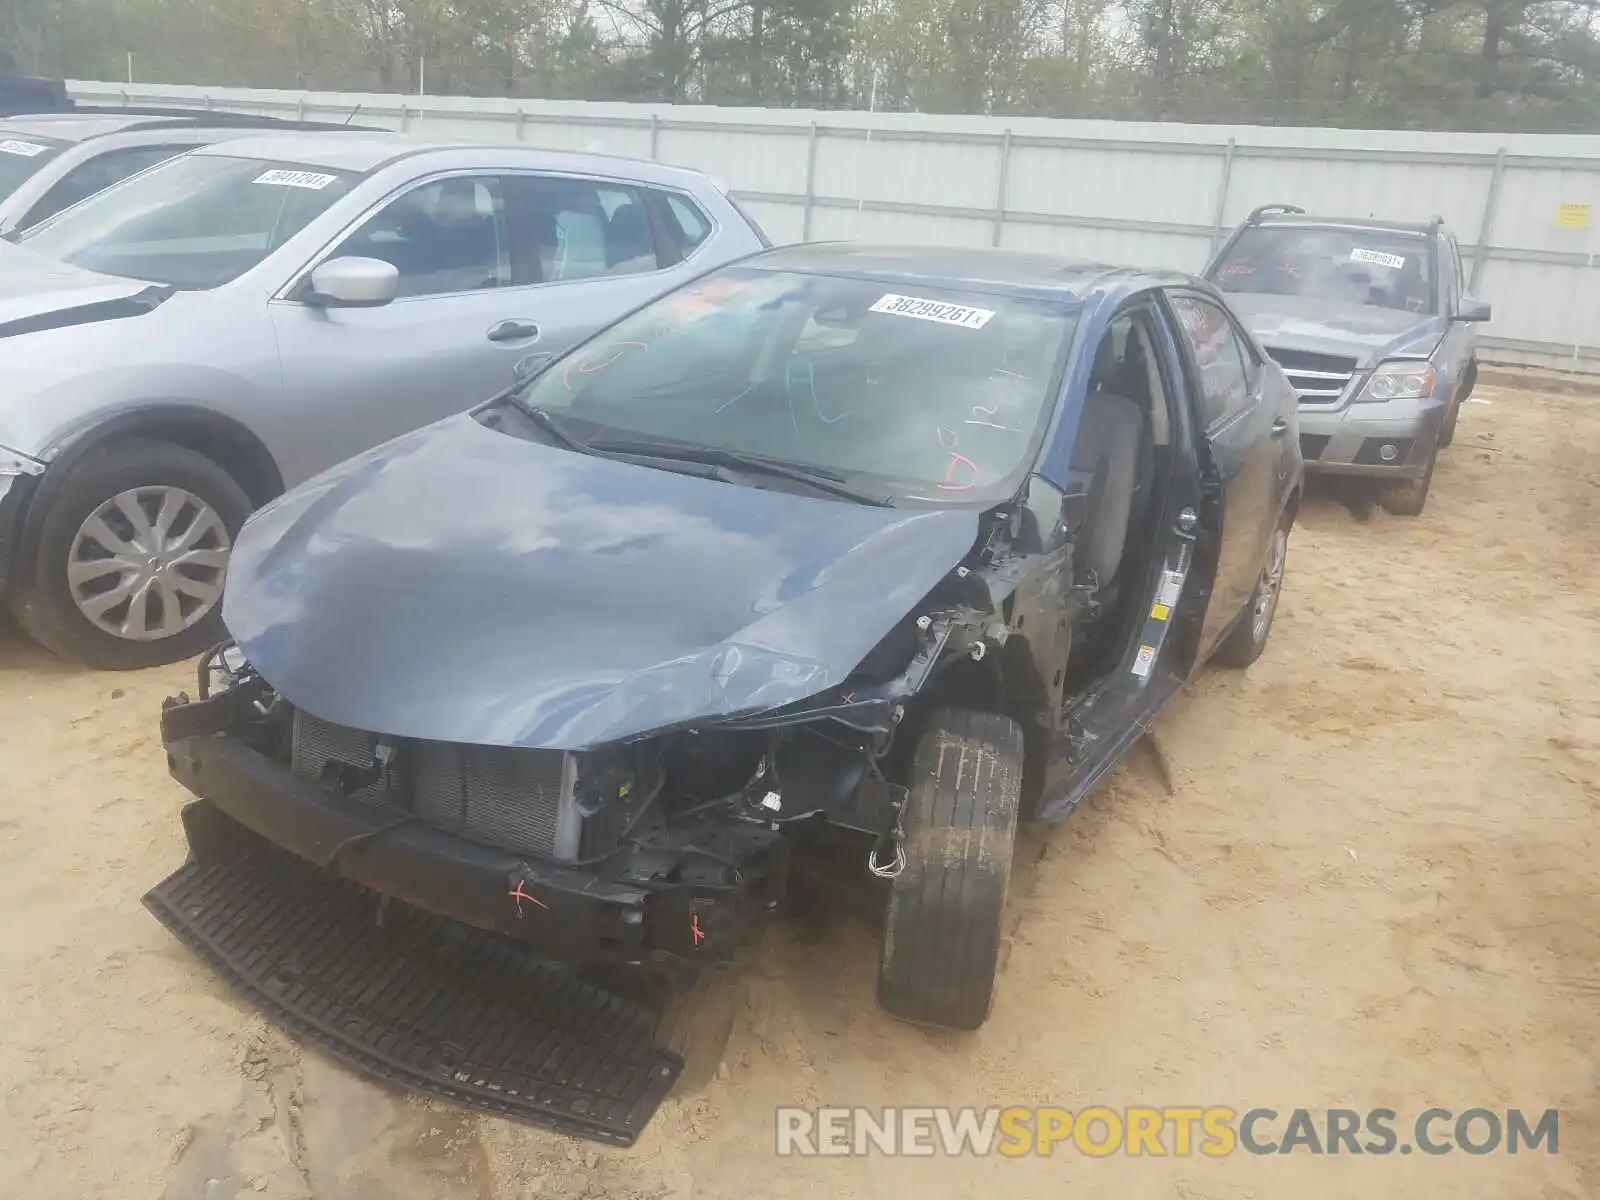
{"x":1364,"y":332}
{"x":460,"y":584}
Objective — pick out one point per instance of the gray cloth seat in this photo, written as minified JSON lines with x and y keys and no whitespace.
{"x":1106,"y":454}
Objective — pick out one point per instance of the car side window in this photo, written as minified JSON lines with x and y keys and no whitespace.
{"x":95,"y":175}
{"x":447,"y":235}
{"x":686,"y":224}
{"x":1227,"y":367}
{"x":570,"y":229}
{"x":1458,"y":273}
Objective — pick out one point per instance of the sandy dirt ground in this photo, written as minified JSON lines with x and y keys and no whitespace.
{"x":1374,"y":881}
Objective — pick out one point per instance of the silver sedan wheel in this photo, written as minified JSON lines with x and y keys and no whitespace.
{"x":149,"y":563}
{"x":1269,"y":587}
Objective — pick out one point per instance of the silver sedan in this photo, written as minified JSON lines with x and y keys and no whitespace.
{"x":181,"y":347}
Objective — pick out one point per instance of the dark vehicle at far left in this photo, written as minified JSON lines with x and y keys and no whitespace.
{"x":871,"y":552}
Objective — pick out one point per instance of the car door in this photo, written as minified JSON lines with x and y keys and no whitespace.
{"x":452,"y":337}
{"x":498,"y":273}
{"x":1242,"y":436}
{"x":596,"y":246}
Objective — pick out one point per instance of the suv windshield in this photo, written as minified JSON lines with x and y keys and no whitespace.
{"x":1358,"y":266}
{"x":195,"y":221}
{"x":923,"y":393}
{"x":21,"y":156}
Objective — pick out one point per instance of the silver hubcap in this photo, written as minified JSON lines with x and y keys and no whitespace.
{"x":1271,"y":582}
{"x":148,"y":563}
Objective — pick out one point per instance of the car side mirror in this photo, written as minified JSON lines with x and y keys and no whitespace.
{"x":352,"y":282}
{"x":1472,"y":309}
{"x":1044,"y":517}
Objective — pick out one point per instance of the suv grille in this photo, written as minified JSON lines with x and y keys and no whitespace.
{"x":517,"y":800}
{"x":1316,"y":378}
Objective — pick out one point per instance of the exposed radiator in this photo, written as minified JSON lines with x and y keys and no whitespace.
{"x":518,"y":800}
{"x":315,"y":743}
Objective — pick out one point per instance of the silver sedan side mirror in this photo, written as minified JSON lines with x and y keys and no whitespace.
{"x":353,"y":282}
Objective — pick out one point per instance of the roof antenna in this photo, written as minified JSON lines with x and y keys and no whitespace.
{"x":353,"y":113}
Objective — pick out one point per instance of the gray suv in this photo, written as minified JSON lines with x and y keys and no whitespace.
{"x":182,"y":346}
{"x":1371,"y":323}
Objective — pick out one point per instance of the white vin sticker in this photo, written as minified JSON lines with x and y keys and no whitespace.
{"x":26,"y":149}
{"x":1378,"y":258}
{"x":933,"y":310}
{"x":299,"y":179}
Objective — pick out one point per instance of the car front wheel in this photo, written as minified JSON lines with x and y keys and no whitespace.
{"x":1410,"y":497}
{"x":133,"y":551}
{"x":941,"y":944}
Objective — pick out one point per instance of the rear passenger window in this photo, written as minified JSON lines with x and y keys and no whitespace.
{"x":1227,"y":367}
{"x":688,"y":225}
{"x":569,"y":229}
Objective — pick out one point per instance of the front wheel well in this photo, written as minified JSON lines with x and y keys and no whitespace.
{"x":222,"y":439}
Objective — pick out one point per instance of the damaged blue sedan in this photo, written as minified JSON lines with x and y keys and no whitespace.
{"x":862,"y":556}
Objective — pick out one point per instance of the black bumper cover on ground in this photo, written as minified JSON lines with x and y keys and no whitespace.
{"x":422,"y":959}
{"x":417,"y":1000}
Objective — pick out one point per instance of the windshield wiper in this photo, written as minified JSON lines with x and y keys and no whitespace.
{"x":557,"y":429}
{"x":819,"y":479}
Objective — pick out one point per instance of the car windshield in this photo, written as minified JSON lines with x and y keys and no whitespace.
{"x":195,"y":221}
{"x":1357,"y":266}
{"x":908,"y":391}
{"x":21,"y":156}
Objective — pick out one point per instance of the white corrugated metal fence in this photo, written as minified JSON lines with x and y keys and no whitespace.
{"x":1522,"y":205}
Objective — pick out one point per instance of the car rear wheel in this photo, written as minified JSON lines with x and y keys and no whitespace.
{"x":941,"y":946}
{"x":132,"y":556}
{"x":1249,"y":637}
{"x":1409,"y":497}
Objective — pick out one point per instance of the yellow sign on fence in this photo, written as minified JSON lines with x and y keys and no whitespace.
{"x":1572,"y":216}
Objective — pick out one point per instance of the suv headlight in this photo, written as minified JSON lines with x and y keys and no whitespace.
{"x":1399,"y":380}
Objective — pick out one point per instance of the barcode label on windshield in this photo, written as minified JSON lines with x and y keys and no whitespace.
{"x":26,"y":149}
{"x":299,"y":179}
{"x":933,"y":310}
{"x":1378,"y":258}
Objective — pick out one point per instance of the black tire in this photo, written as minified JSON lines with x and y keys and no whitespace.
{"x":1249,"y":636}
{"x":1469,"y":380}
{"x":44,"y":606}
{"x":1410,"y":497}
{"x":1447,"y":431}
{"x":696,"y":1023}
{"x":941,"y":946}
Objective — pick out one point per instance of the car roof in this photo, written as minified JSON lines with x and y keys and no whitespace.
{"x":368,"y":152}
{"x":72,"y":127}
{"x":80,"y":126}
{"x":995,"y":270}
{"x":338,"y":151}
{"x":1309,"y":221}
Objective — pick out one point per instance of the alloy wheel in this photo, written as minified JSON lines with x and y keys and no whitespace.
{"x":149,"y":563}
